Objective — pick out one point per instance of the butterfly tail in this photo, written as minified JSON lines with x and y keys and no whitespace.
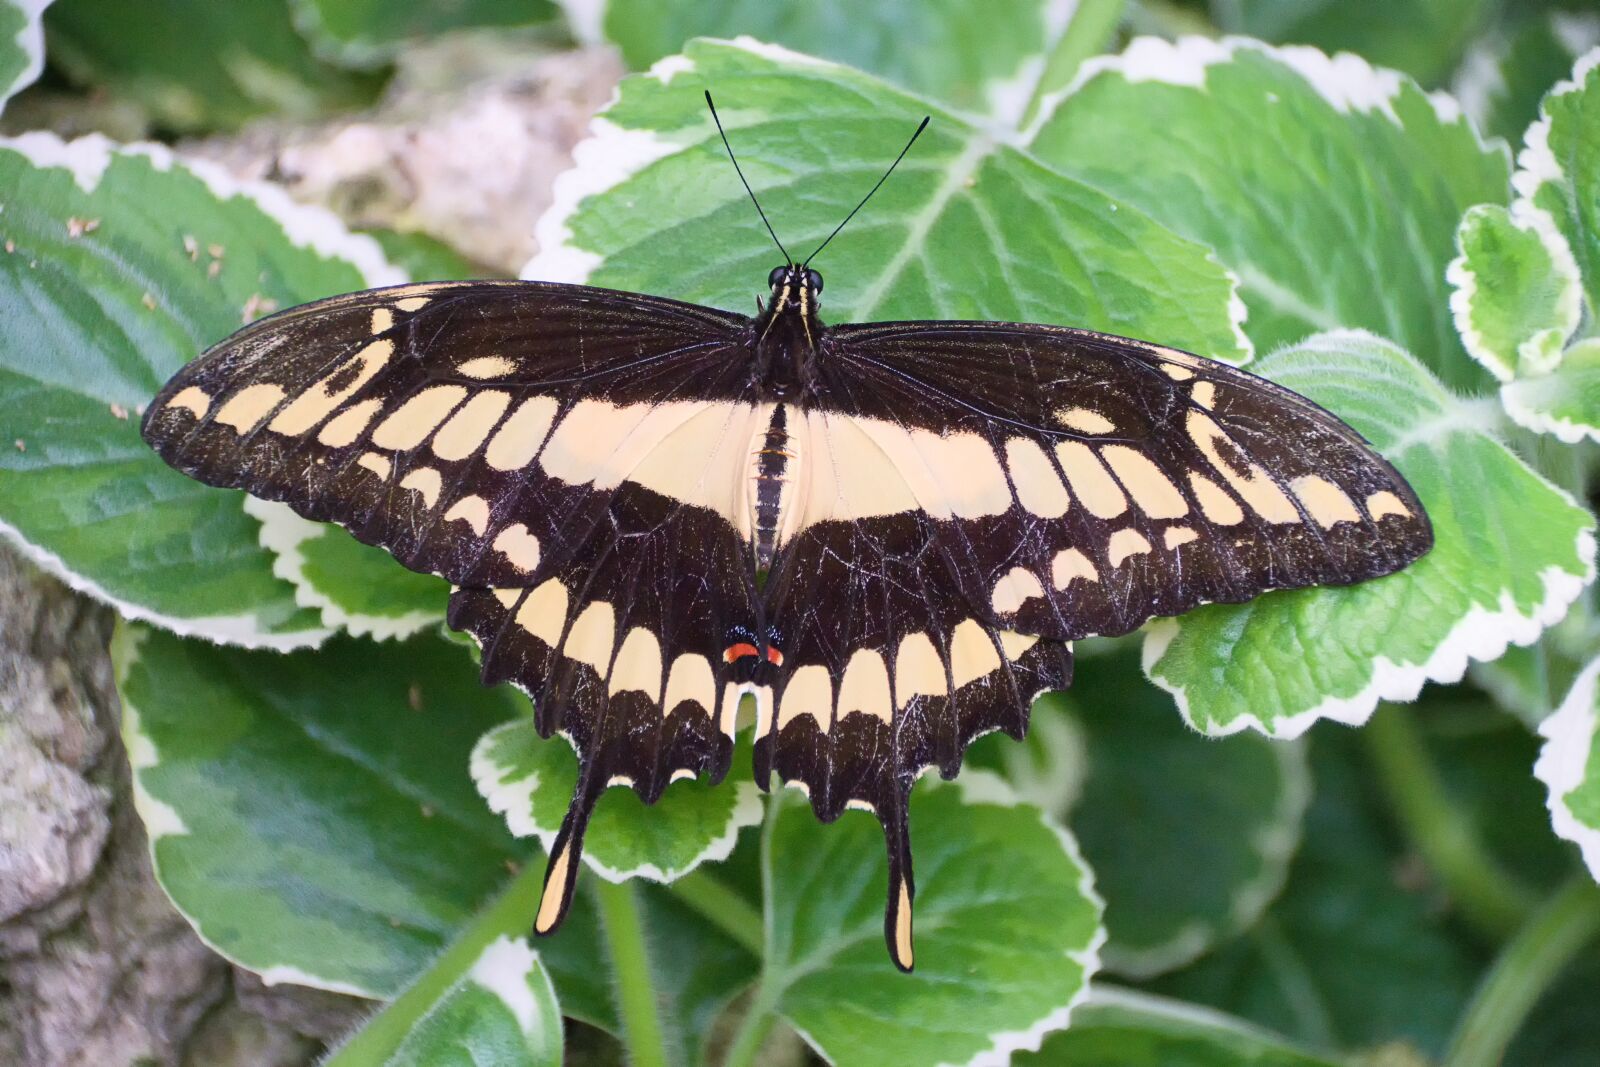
{"x":566,"y":855}
{"x":897,"y":932}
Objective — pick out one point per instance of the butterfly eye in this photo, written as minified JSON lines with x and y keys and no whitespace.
{"x":814,"y":280}
{"x":775,"y":279}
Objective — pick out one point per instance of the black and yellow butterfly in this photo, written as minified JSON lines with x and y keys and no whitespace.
{"x":888,"y":533}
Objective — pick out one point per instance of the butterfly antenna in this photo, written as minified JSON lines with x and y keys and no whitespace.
{"x":875,"y":188}
{"x":740,"y":172}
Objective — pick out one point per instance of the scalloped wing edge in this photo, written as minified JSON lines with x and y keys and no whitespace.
{"x":512,"y":799}
{"x":1569,"y":734}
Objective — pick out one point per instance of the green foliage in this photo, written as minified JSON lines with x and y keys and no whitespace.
{"x":1397,"y":895}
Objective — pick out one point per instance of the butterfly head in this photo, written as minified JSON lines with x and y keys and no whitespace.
{"x":795,"y":284}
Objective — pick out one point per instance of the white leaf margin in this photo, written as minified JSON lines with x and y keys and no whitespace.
{"x":1569,"y":309}
{"x":1481,"y":634}
{"x":612,"y":154}
{"x":1569,"y":737}
{"x":161,"y":820}
{"x":30,"y":39}
{"x":313,"y":228}
{"x":512,"y":799}
{"x":283,"y":533}
{"x":1539,"y":420}
{"x":509,"y":968}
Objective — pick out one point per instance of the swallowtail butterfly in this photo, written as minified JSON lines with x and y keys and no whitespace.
{"x":888,"y":533}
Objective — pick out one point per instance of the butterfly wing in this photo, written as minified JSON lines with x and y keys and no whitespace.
{"x":412,"y":416}
{"x":1079,"y":484}
{"x":570,"y":458}
{"x":974,"y":495}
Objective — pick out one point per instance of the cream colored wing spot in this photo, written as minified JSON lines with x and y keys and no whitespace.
{"x":474,"y":511}
{"x":638,"y":666}
{"x":1324,"y":501}
{"x":1015,"y":644}
{"x":703,"y":460}
{"x":619,"y":779}
{"x":486,"y":367}
{"x":855,"y":804}
{"x":544,"y":612}
{"x":323,"y":398}
{"x":1085,"y":420}
{"x":1125,"y":544}
{"x":1204,"y":393}
{"x":682,"y":774}
{"x":413,"y":421}
{"x":593,"y":636}
{"x":194,"y":399}
{"x":1255,"y":486}
{"x":865,"y":686}
{"x":853,"y":469}
{"x":1177,"y":374}
{"x":1178,"y":535}
{"x":555,"y":891}
{"x":382,"y":320}
{"x":465,"y":431}
{"x":517,"y":441}
{"x":427,"y":482}
{"x":1151,"y":490}
{"x":918,"y":670}
{"x":1071,"y":565}
{"x":809,"y":692}
{"x":1090,"y":480}
{"x":902,"y":928}
{"x":1384,"y":503}
{"x":515,"y":543}
{"x":412,"y":304}
{"x":601,"y":443}
{"x":1039,"y":488}
{"x":377,"y":464}
{"x":1014,"y":587}
{"x":972,"y":653}
{"x":346,"y":428}
{"x":245,"y":409}
{"x":506,"y":597}
{"x":1215,"y":503}
{"x":691,"y":679}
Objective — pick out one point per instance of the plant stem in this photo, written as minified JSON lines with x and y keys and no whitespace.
{"x":1527,"y":965}
{"x":761,"y":1013}
{"x":723,"y":907}
{"x":1490,"y":899}
{"x":752,"y":1032}
{"x":1092,"y":25}
{"x":630,"y":968}
{"x":510,"y":914}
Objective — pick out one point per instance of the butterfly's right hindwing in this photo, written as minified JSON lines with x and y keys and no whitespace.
{"x":472,"y":429}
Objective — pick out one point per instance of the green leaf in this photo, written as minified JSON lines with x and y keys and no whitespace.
{"x":1569,"y":766}
{"x":1132,"y":781}
{"x":1424,"y":38}
{"x":530,"y":781}
{"x":978,"y":57}
{"x":1007,"y":929}
{"x":123,"y":264}
{"x":21,"y":45}
{"x":970,"y":226}
{"x":426,"y":258}
{"x":1119,"y":1028}
{"x":1558,"y":170}
{"x":311,"y":814}
{"x":1507,"y":72}
{"x":502,"y":1012}
{"x":1517,"y":293}
{"x":1566,"y":403}
{"x":352,"y":586}
{"x":1331,"y":188}
{"x":1351,"y":955}
{"x":1511,"y":553}
{"x":199,"y":65}
{"x":368,"y":32}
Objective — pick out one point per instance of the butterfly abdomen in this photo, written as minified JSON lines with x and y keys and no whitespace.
{"x":772,"y":468}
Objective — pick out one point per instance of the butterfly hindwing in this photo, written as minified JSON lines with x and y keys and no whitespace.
{"x":1079,"y":484}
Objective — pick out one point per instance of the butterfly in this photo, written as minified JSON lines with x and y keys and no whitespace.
{"x":887,"y":533}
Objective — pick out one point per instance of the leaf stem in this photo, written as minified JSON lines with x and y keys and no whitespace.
{"x":1491,"y":900}
{"x":630,"y":967}
{"x":1527,"y":965}
{"x":723,"y":907}
{"x":761,"y":1013}
{"x":510,"y":914}
{"x":1088,"y":32}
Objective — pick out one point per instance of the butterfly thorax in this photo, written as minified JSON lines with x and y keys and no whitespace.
{"x":788,"y":333}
